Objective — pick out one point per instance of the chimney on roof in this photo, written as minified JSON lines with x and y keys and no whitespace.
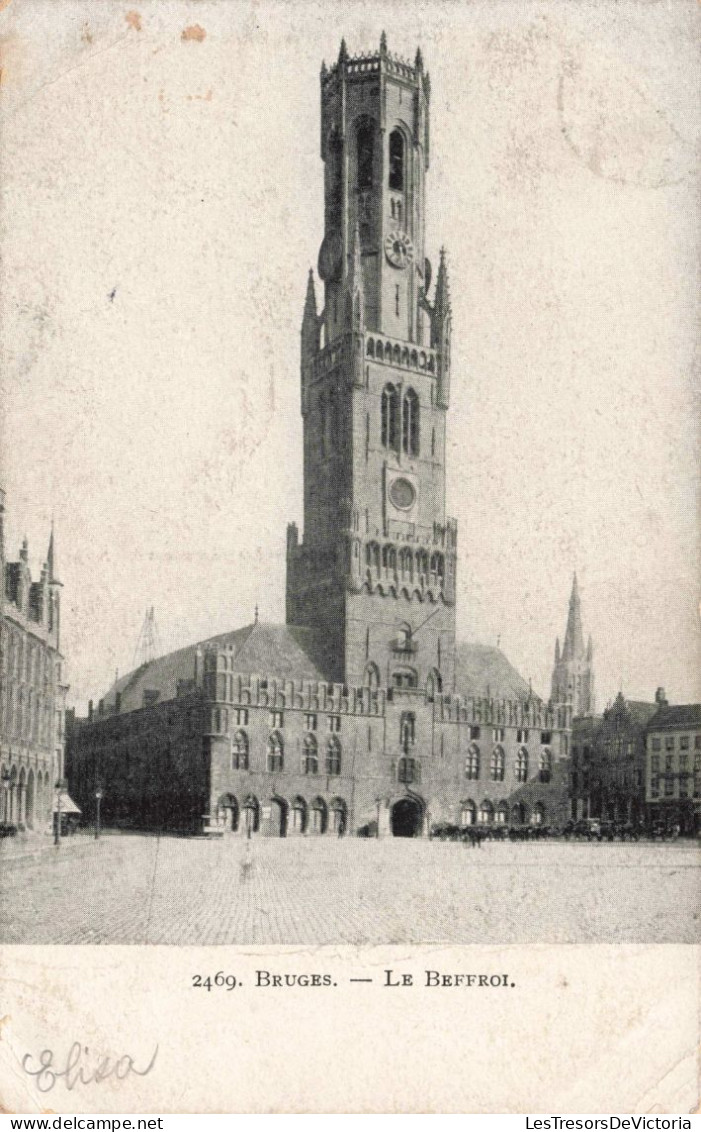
{"x":660,"y":698}
{"x":117,"y":702}
{"x":90,"y":710}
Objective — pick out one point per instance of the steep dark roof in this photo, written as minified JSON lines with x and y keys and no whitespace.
{"x":283,"y":651}
{"x":677,"y":715}
{"x":289,"y":652}
{"x":483,"y":670}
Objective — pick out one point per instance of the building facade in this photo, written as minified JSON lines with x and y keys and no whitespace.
{"x":32,"y":692}
{"x":607,"y":773}
{"x":673,"y":765}
{"x":361,"y":713}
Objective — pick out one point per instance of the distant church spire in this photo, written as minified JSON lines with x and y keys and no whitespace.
{"x":51,"y":559}
{"x":573,"y":674}
{"x":573,"y":647}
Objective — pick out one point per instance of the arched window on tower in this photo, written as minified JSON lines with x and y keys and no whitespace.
{"x":396,"y":161}
{"x":310,"y":757}
{"x":365,"y":153}
{"x":522,"y":765}
{"x":333,"y":756}
{"x":410,"y":423}
{"x":239,"y":751}
{"x":390,"y":417}
{"x":275,"y":752}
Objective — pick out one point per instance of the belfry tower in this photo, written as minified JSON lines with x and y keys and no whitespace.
{"x":573,"y":672}
{"x":375,"y":572}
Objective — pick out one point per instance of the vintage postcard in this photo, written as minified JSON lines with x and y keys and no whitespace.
{"x":350,"y":707}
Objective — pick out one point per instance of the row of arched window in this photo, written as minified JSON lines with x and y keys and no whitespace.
{"x":297,"y":816}
{"x":384,"y":351}
{"x":311,"y":762}
{"x":408,"y":563}
{"x":391,"y":432}
{"x":497,"y":764}
{"x":489,"y":814}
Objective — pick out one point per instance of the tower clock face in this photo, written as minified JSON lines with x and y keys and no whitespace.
{"x":403,"y":494}
{"x":331,"y":257}
{"x":399,"y":249}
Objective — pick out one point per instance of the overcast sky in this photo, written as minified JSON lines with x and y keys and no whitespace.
{"x":162,"y":204}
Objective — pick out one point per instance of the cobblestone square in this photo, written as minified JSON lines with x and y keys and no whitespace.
{"x":133,"y":889}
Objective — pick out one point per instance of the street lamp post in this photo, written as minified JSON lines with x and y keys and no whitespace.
{"x":61,"y":785}
{"x":98,"y":799}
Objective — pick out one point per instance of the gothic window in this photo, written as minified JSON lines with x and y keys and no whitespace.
{"x":389,"y":557}
{"x":502,"y":814}
{"x":497,"y":764}
{"x":522,"y":765}
{"x":364,"y":154}
{"x":406,"y":563}
{"x":334,"y":722}
{"x":407,"y":770}
{"x":396,"y":161}
{"x":538,"y":815}
{"x":474,"y":732}
{"x":310,"y":721}
{"x":390,"y":417}
{"x":486,"y":814}
{"x":407,"y":730}
{"x":472,"y":762}
{"x":242,"y":717}
{"x":546,"y":766}
{"x":434,"y":685}
{"x":410,"y":423}
{"x":468,"y":813}
{"x":333,"y":756}
{"x":310,"y":757}
{"x":275,"y":752}
{"x":239,"y":751}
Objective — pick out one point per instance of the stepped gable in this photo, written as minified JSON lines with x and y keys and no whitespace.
{"x":281,"y":651}
{"x":483,"y":670}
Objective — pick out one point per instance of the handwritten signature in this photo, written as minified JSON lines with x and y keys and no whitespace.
{"x":77,"y":1070}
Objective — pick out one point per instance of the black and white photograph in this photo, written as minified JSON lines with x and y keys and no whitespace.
{"x":349,"y":479}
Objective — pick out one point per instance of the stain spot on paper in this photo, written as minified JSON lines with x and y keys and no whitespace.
{"x":134,"y":20}
{"x":86,"y":34}
{"x":193,"y":32}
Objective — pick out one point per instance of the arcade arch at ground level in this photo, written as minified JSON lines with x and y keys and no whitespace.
{"x":278,"y":816}
{"x":25,"y":795}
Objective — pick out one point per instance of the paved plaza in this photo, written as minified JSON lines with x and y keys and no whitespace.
{"x":170,"y":890}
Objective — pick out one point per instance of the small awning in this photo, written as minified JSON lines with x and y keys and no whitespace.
{"x":68,"y":806}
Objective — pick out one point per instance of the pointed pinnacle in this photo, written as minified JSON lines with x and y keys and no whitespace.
{"x":419,"y":60}
{"x":343,"y":52}
{"x":383,"y":44}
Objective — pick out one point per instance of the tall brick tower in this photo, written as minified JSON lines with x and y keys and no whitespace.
{"x":375,"y":572}
{"x":573,"y":671}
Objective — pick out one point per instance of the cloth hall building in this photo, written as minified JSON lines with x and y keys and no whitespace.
{"x":361,"y":713}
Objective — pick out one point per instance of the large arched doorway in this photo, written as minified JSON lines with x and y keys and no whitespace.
{"x":276,"y":818}
{"x":406,"y":818}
